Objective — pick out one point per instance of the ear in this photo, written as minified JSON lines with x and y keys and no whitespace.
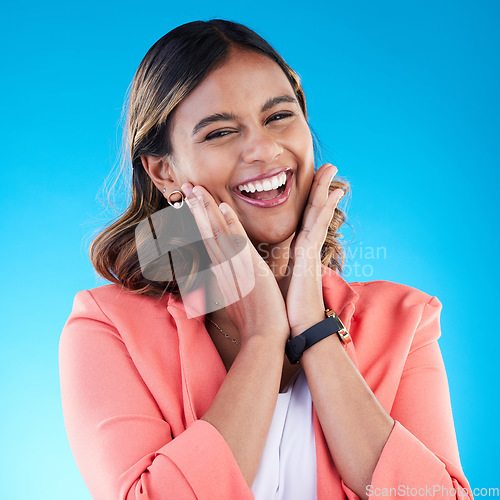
{"x":160,"y":170}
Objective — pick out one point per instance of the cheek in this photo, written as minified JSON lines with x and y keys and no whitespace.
{"x":302,"y":142}
{"x":304,"y":151}
{"x":214,"y":168}
{"x":204,"y":168}
{"x":303,"y":147}
{"x":200,"y":165}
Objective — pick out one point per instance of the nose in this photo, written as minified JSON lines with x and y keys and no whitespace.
{"x":261,"y":145}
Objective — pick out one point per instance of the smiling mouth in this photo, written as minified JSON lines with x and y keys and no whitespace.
{"x":264,"y":189}
{"x":268,"y":192}
{"x":264,"y":195}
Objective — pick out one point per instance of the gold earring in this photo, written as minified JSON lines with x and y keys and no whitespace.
{"x":176,"y":204}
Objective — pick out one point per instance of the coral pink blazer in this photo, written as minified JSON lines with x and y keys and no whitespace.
{"x":137,"y":374}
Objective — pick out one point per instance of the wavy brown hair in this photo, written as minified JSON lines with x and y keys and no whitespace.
{"x":171,"y":69}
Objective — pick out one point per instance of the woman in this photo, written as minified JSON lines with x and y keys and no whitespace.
{"x":164,"y":401}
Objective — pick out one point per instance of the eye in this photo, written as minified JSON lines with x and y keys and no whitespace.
{"x":280,"y":116}
{"x":218,"y":133}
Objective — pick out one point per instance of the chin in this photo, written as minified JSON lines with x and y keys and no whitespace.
{"x":273,"y":236}
{"x":272,"y":229}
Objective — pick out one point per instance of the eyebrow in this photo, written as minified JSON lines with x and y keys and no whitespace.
{"x":274,"y":101}
{"x":217,"y":117}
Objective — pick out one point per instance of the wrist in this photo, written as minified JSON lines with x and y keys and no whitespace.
{"x":325,"y":348}
{"x":311,"y":320}
{"x":264,"y":342}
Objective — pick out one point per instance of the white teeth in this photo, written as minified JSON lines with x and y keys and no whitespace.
{"x":266,"y":185}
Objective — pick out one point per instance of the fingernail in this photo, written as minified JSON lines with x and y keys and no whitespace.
{"x":187,"y":189}
{"x":197,"y":192}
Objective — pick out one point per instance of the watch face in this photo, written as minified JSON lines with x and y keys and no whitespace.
{"x":342,"y":332}
{"x":342,"y":327}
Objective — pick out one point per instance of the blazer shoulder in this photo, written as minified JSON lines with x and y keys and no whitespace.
{"x":114,"y":303}
{"x":403,"y":311}
{"x":390,"y":292}
{"x":136,"y":320}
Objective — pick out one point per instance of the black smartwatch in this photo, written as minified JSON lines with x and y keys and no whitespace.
{"x":295,"y":347}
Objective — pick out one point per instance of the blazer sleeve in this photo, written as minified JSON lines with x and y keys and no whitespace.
{"x":120,"y":440}
{"x":420,"y":457}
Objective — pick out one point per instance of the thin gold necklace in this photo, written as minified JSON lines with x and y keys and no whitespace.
{"x":223,"y":332}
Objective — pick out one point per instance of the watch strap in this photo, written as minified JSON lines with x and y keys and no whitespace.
{"x":332,"y":324}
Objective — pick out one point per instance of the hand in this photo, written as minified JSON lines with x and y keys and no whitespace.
{"x":262,"y":311}
{"x":304,"y":301}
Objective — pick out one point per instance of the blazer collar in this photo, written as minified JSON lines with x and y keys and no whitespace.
{"x":339,"y":295}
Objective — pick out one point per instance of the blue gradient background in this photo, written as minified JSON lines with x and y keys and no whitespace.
{"x":404,"y":97}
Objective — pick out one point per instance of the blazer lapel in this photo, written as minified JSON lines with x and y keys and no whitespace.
{"x":202,"y":369}
{"x":341,"y":297}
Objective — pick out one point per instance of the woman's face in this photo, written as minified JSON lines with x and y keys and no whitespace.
{"x":242,"y":135}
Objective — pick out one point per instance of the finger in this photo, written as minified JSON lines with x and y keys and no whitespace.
{"x":216,"y":220}
{"x":244,"y":259}
{"x":200,"y":209}
{"x":227,"y":282}
{"x":217,"y":240}
{"x":318,"y":195}
{"x":319,"y":229}
{"x":327,"y":167}
{"x":239,"y":271}
{"x":235,"y":227}
{"x":250,"y":258}
{"x":233,"y":223}
{"x":241,"y":262}
{"x":220,"y":238}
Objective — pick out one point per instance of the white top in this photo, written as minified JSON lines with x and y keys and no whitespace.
{"x":287,"y":469}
